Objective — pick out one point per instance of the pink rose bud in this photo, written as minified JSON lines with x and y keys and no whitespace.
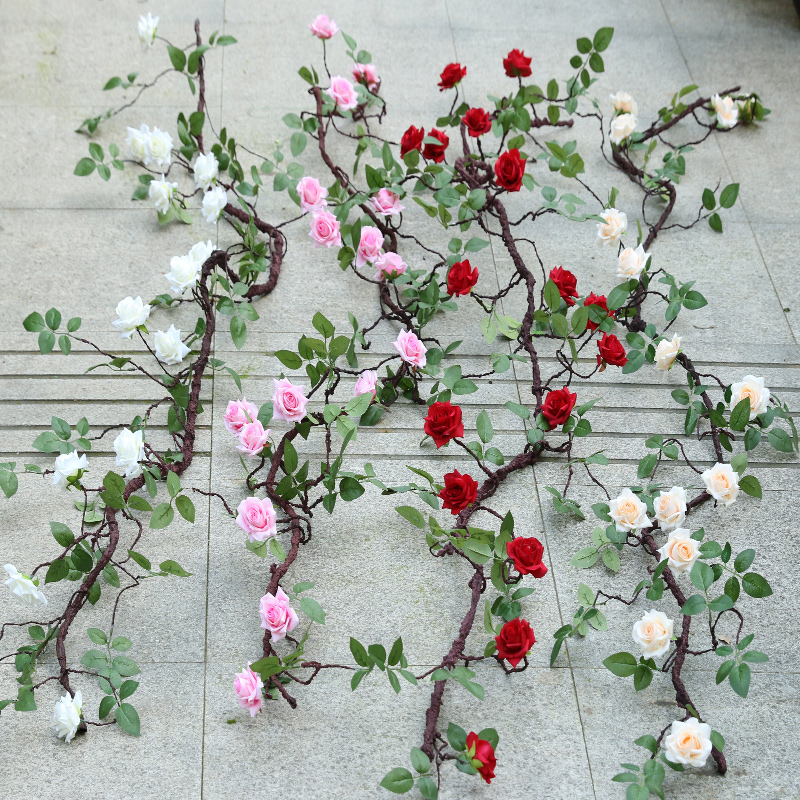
{"x":323,"y":27}
{"x":311,"y":193}
{"x":389,"y":265}
{"x":366,"y":383}
{"x":277,"y":616}
{"x":411,"y":349}
{"x":248,"y":686}
{"x":325,"y":230}
{"x":387,"y":203}
{"x":238,"y":414}
{"x":366,"y":74}
{"x":257,"y":518}
{"x":369,"y":248}
{"x":252,"y":439}
{"x":288,"y":402}
{"x":342,"y":93}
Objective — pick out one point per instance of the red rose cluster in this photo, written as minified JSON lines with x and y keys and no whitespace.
{"x":597,"y":300}
{"x":451,"y":76}
{"x":509,"y":169}
{"x":412,"y":140}
{"x":459,"y":491}
{"x":481,"y":756}
{"x":477,"y":121}
{"x":461,"y":278}
{"x":527,"y":553}
{"x":566,"y":283}
{"x":517,"y":64}
{"x":443,"y":423}
{"x":611,"y":352}
{"x":558,"y":406}
{"x":514,"y":641}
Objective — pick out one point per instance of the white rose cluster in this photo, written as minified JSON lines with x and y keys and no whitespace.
{"x":161,"y":193}
{"x":148,"y":25}
{"x":615,"y":224}
{"x":206,"y":171}
{"x":169,"y":347}
{"x":214,"y":200}
{"x":185,"y":270}
{"x":23,"y":587}
{"x":130,"y":315}
{"x":68,"y":465}
{"x":67,"y":716}
{"x":153,"y":148}
{"x":129,"y":447}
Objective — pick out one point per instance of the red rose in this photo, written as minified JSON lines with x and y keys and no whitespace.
{"x":435,"y":152}
{"x":527,"y":553}
{"x":481,"y":756}
{"x":517,"y":63}
{"x":412,"y":140}
{"x":461,"y":278}
{"x":451,"y":75}
{"x":597,"y":300}
{"x":566,"y":282}
{"x":558,"y":406}
{"x":509,"y":169}
{"x":611,"y":351}
{"x":477,"y":121}
{"x":443,"y":423}
{"x":515,"y":640}
{"x":459,"y":491}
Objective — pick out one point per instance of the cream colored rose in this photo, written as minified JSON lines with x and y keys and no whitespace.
{"x":722,"y":483}
{"x":666,"y":352}
{"x":629,"y":512}
{"x":622,"y":126}
{"x":136,"y":142}
{"x":688,"y":743}
{"x":670,"y":508}
{"x":681,"y":551}
{"x":622,"y":101}
{"x":653,"y":633}
{"x":726,"y":109}
{"x":632,"y":263}
{"x":616,"y":222}
{"x":754,"y":390}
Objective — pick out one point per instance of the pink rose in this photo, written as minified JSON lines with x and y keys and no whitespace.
{"x":252,"y":438}
{"x":411,"y":349}
{"x":366,"y":74}
{"x":238,"y":414}
{"x":369,"y":248}
{"x":277,"y":616}
{"x":248,"y":686}
{"x":387,"y":203}
{"x":389,"y":265}
{"x":325,"y":229}
{"x":366,"y":383}
{"x":342,"y":93}
{"x":288,"y":402}
{"x":257,"y":518}
{"x":323,"y":27}
{"x":312,"y":195}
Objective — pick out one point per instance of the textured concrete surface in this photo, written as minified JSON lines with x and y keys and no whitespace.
{"x":82,"y":244}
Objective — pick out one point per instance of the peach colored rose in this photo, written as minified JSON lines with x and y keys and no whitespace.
{"x":629,"y":512}
{"x":670,"y":508}
{"x":722,"y":483}
{"x":653,"y":633}
{"x":688,"y":743}
{"x":681,"y":551}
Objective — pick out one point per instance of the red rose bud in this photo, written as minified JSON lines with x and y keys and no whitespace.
{"x":558,"y":406}
{"x":481,"y":756}
{"x":459,"y":491}
{"x":597,"y":300}
{"x":509,"y":169}
{"x":461,"y":278}
{"x":477,"y":121}
{"x":527,"y":554}
{"x":516,"y":64}
{"x":443,"y":423}
{"x":412,"y":140}
{"x":611,"y":351}
{"x":567,"y":284}
{"x":435,"y":152}
{"x":451,"y":76}
{"x":514,"y":641}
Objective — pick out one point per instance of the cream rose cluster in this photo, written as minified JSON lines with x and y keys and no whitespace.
{"x":670,"y":508}
{"x":615,"y":224}
{"x":722,"y":483}
{"x":754,"y":390}
{"x":688,"y":743}
{"x":622,"y":101}
{"x":632,"y":263}
{"x":681,"y":551}
{"x":628,"y":512}
{"x":667,"y":351}
{"x":653,"y":633}
{"x":726,"y":110}
{"x":622,"y":126}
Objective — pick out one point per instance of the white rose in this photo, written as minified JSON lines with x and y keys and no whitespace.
{"x":183,"y":274}
{"x":666,"y":352}
{"x":688,"y":743}
{"x":159,"y":149}
{"x":67,"y":716}
{"x":681,"y":551}
{"x":615,"y":224}
{"x":68,"y":465}
{"x":214,"y":200}
{"x":670,"y":508}
{"x":169,"y":347}
{"x":161,"y":194}
{"x":754,"y":390}
{"x":632,"y":263}
{"x":727,"y":111}
{"x":129,"y":448}
{"x":722,"y":483}
{"x":206,"y":169}
{"x":622,"y":126}
{"x":131,"y":313}
{"x":23,"y":587}
{"x":147,"y":30}
{"x":137,"y":142}
{"x":653,"y":633}
{"x":622,"y":101}
{"x":629,"y":512}
{"x":201,"y":251}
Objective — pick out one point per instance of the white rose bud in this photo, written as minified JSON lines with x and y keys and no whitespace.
{"x":722,"y":483}
{"x":159,"y":149}
{"x":24,"y":587}
{"x":67,"y":716}
{"x":214,"y":200}
{"x":629,"y":512}
{"x":129,"y":448}
{"x":754,"y":390}
{"x":622,"y":101}
{"x":670,"y":508}
{"x":653,"y":633}
{"x":183,"y":274}
{"x":622,"y":126}
{"x":726,"y":109}
{"x":688,"y":743}
{"x":68,"y":465}
{"x":161,"y":194}
{"x":206,"y":170}
{"x":200,"y":252}
{"x":169,"y":347}
{"x":148,"y":25}
{"x":131,"y":314}
{"x":632,"y":263}
{"x":616,"y":222}
{"x":681,"y":551}
{"x":137,"y":143}
{"x":667,"y":351}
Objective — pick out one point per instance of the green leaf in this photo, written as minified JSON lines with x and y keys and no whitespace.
{"x":744,"y":560}
{"x":127,"y":689}
{"x":350,"y":489}
{"x":729,"y":194}
{"x":185,"y":507}
{"x":398,"y":780}
{"x":427,"y":788}
{"x":708,"y":199}
{"x":420,"y":761}
{"x":238,"y":332}
{"x":715,"y":222}
{"x":694,"y":605}
{"x":602,"y":39}
{"x":173,"y":483}
{"x":520,"y":411}
{"x":740,"y":415}
{"x":125,"y":666}
{"x":457,"y":737}
{"x":106,"y":704}
{"x":173,"y":568}
{"x":178,"y":59}
{"x":648,"y":742}
{"x":63,"y":535}
{"x":551,"y":295}
{"x":642,"y":677}
{"x":33,"y":323}
{"x":623,"y":665}
{"x":780,"y":440}
{"x":484,"y":425}
{"x":740,"y":679}
{"x":289,"y":359}
{"x":411,"y":514}
{"x":85,"y":167}
{"x":312,"y":609}
{"x":97,"y":635}
{"x":128,"y":719}
{"x":140,"y":559}
{"x":162,"y":516}
{"x":297,"y":143}
{"x":755,"y":585}
{"x":57,"y":571}
{"x":585,"y":557}
{"x":702,"y":576}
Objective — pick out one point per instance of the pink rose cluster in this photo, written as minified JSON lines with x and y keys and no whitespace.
{"x":370,"y":247}
{"x":325,"y":229}
{"x":389,"y":265}
{"x":312,"y":194}
{"x":241,"y":419}
{"x":367,"y":381}
{"x":343,"y":93}
{"x":411,"y":349}
{"x":289,"y":401}
{"x":386,"y":202}
{"x":323,"y":27}
{"x":366,"y":74}
{"x":248,"y":687}
{"x":277,"y":616}
{"x":256,"y":517}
